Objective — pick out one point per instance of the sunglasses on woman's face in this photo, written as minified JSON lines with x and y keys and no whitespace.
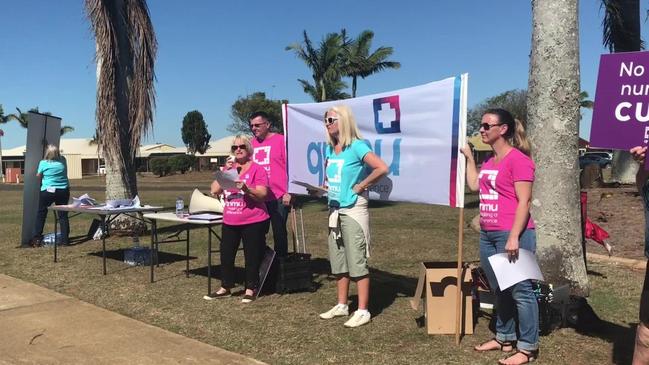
{"x":330,"y":120}
{"x":237,"y":146}
{"x":487,"y":126}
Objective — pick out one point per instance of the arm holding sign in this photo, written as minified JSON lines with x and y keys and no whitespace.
{"x":639,"y":153}
{"x":471,"y":169}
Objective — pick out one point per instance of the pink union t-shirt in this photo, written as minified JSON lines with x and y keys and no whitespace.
{"x":271,"y":155}
{"x":241,"y":209}
{"x":498,"y":200}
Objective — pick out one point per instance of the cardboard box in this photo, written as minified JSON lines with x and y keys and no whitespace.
{"x":439,"y":282}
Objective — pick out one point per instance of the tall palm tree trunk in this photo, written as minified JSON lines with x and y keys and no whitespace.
{"x":126,"y":49}
{"x":553,"y":112}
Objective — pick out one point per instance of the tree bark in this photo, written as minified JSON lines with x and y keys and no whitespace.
{"x":553,"y":112}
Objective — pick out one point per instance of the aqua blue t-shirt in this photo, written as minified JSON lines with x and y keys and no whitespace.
{"x":345,"y":170}
{"x":55,"y":174}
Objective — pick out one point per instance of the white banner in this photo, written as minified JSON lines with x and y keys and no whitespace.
{"x":417,"y":131}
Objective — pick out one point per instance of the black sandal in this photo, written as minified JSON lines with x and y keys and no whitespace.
{"x":530,"y":357}
{"x":502,"y":345}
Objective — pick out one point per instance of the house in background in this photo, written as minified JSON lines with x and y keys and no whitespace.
{"x":84,"y":158}
{"x":481,"y":150}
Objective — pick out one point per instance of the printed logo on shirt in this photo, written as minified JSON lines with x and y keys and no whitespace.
{"x":387,"y":114}
{"x":491,"y":178}
{"x":336,"y":166}
{"x":261,"y":155}
{"x":489,"y":211}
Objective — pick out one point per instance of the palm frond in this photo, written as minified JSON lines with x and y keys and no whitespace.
{"x":66,"y":129}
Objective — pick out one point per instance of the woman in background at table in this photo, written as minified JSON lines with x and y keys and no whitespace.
{"x":55,"y":188}
{"x":245,"y":218}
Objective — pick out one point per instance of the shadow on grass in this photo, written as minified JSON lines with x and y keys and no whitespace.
{"x":163,"y":257}
{"x":586,"y":322}
{"x":385,"y":286}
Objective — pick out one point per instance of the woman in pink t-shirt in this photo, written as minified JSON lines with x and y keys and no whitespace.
{"x":245,"y":218}
{"x":505,"y":185}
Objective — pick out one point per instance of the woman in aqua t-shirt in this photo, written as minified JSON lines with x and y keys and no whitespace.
{"x":245,"y":218}
{"x":351,"y":168}
{"x":55,"y":189}
{"x":505,"y":185}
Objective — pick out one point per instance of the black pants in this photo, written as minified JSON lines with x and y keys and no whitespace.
{"x":254,"y":241}
{"x":45,"y":199}
{"x":278,"y":215}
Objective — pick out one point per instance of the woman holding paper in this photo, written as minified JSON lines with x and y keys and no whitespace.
{"x":505,"y":185}
{"x":245,"y":218}
{"x":55,"y":189}
{"x":351,"y":168}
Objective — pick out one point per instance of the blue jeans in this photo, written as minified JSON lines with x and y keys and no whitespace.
{"x":278,"y":215}
{"x":519,"y":298}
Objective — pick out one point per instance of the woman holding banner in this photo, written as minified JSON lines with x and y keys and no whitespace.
{"x":351,"y":168}
{"x":505,"y":184}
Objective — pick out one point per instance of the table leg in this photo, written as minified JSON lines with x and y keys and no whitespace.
{"x":103,"y":241}
{"x":187,"y":255}
{"x":209,"y":260}
{"x":56,"y":223}
{"x":154,"y":238}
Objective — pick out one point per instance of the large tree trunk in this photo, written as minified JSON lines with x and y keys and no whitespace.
{"x":553,"y":112}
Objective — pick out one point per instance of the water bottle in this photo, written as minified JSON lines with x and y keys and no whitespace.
{"x":180,"y":205}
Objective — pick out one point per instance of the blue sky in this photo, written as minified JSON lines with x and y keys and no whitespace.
{"x":212,"y":52}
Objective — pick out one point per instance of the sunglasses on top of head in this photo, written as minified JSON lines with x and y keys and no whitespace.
{"x":238,"y":146}
{"x":487,"y":126}
{"x":330,"y":120}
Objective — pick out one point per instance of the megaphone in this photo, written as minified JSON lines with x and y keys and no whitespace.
{"x":201,"y":203}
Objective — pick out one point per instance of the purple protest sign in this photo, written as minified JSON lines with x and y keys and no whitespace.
{"x":621,"y":107}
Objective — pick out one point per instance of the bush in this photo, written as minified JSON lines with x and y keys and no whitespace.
{"x":160,"y":166}
{"x":181,"y":163}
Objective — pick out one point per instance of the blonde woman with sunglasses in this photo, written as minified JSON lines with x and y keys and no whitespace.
{"x":245,"y":218}
{"x":351,"y":168}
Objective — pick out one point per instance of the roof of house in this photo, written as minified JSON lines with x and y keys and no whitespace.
{"x":86,"y":149}
{"x":478,"y":145}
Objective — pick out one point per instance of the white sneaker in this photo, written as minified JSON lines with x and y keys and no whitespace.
{"x":338,"y":310}
{"x":358,"y":319}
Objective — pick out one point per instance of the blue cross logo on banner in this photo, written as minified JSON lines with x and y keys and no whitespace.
{"x":387,"y":115}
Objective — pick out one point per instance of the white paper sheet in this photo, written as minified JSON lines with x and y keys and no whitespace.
{"x":509,"y":273}
{"x":205,"y":217}
{"x":84,"y":199}
{"x":227,"y":179}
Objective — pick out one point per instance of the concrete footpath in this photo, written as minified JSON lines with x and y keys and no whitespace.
{"x":40,"y":326}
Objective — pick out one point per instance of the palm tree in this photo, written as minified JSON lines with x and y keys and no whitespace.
{"x":326,"y":64}
{"x":621,"y":28}
{"x":553,"y":128}
{"x":584,"y":102}
{"x":126,"y":49}
{"x":359,"y":61}
{"x":23,"y":119}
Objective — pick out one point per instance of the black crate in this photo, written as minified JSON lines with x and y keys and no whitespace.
{"x":294,"y":273}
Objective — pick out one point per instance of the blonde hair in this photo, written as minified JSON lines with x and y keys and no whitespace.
{"x":52,"y":153}
{"x":519,"y":138}
{"x":246,"y":140}
{"x":347,"y":128}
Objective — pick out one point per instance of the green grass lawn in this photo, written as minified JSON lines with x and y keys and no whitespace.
{"x":285,"y":329}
